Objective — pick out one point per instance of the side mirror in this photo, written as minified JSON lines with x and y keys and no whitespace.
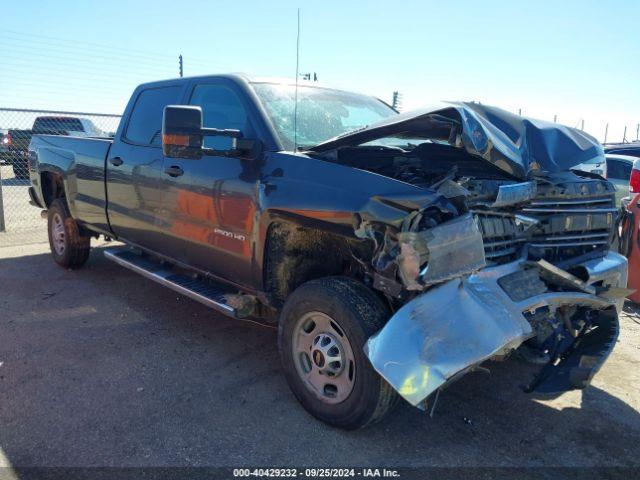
{"x":183,"y":134}
{"x":182,"y":131}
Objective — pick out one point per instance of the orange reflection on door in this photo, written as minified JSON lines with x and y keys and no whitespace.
{"x":198,"y":219}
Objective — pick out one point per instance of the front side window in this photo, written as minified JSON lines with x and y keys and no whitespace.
{"x":322,"y":113}
{"x":222,"y":109}
{"x":145,"y":123}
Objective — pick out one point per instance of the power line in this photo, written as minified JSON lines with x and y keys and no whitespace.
{"x":74,"y":42}
{"x":66,"y":76}
{"x":110,"y":49}
{"x":84,"y":53}
{"x":75,"y":53}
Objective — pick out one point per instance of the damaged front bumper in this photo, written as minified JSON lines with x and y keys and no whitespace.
{"x":455,"y":326}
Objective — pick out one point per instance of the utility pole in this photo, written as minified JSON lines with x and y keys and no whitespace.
{"x":637,"y":131}
{"x":396,"y":101}
{"x":180,"y":62}
{"x":520,"y":112}
{"x":624,"y":137}
{"x":555,"y":118}
{"x":582,"y":125}
{"x":606,"y":131}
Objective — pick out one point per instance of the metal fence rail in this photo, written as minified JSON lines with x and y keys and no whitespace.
{"x":20,"y":223}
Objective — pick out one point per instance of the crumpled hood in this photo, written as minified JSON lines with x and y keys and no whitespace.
{"x":515,"y":144}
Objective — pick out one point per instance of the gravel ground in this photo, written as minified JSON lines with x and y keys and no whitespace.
{"x":100,"y":367}
{"x":22,"y":221}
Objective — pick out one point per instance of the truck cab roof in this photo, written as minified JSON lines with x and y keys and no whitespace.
{"x":239,"y":78}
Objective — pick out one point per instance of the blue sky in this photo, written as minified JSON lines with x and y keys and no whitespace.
{"x":577,"y":60}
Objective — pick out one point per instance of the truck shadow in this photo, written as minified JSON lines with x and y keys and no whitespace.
{"x":121,"y":371}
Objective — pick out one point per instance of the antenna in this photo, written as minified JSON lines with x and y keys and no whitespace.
{"x":295,"y":106}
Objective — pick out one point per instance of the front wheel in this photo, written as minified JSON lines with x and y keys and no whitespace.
{"x":323,"y":328}
{"x":70,"y":249}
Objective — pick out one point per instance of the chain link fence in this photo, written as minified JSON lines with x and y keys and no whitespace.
{"x":20,"y":222}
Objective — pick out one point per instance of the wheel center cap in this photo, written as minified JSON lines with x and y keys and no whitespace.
{"x":318,"y":358}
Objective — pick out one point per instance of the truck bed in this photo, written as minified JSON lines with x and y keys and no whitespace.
{"x":82,"y":163}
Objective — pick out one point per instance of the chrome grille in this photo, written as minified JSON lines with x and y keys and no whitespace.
{"x":571,"y":227}
{"x":499,"y":236}
{"x":567,"y":225}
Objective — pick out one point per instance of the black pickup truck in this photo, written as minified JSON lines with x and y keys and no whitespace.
{"x":395,"y":252}
{"x":18,"y":141}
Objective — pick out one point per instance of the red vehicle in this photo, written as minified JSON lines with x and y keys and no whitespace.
{"x":630,"y":243}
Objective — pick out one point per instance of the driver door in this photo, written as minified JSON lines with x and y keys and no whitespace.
{"x":209,"y":204}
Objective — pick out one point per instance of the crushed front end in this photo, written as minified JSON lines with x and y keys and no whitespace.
{"x":507,"y":252}
{"x":565,"y":324}
{"x":525,"y":268}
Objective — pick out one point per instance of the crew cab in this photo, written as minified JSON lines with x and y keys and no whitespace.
{"x":395,"y":252}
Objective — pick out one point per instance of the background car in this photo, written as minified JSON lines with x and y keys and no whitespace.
{"x":618,"y":170}
{"x":18,"y":140}
{"x":634,"y":180}
{"x":631,"y":149}
{"x":3,"y":146}
{"x":594,"y":166}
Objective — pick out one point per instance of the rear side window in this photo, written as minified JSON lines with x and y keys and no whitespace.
{"x":618,"y":170}
{"x":145,"y":123}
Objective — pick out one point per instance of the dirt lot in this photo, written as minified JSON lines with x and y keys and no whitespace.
{"x":22,"y":221}
{"x":103,"y":367}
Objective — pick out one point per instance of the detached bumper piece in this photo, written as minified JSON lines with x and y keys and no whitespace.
{"x":569,"y":324}
{"x":574,"y":367}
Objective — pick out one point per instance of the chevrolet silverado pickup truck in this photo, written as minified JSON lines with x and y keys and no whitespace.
{"x":394,"y":252}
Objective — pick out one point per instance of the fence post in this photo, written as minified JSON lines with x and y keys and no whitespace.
{"x":2,"y":227}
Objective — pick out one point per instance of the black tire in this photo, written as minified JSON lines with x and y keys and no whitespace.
{"x":359,"y":313}
{"x":75,"y":247}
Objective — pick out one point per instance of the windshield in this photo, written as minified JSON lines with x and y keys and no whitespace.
{"x":322,"y":113}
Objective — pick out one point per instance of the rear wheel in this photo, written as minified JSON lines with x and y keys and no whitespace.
{"x":323,"y":328}
{"x":69,"y":248}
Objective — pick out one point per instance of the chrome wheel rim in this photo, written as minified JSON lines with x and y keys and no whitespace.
{"x":323,"y":357}
{"x":57,"y":234}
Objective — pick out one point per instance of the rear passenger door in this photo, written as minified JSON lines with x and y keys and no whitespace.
{"x":209,"y":209}
{"x":134,"y":168}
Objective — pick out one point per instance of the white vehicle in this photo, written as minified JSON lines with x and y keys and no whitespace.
{"x":617,"y":169}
